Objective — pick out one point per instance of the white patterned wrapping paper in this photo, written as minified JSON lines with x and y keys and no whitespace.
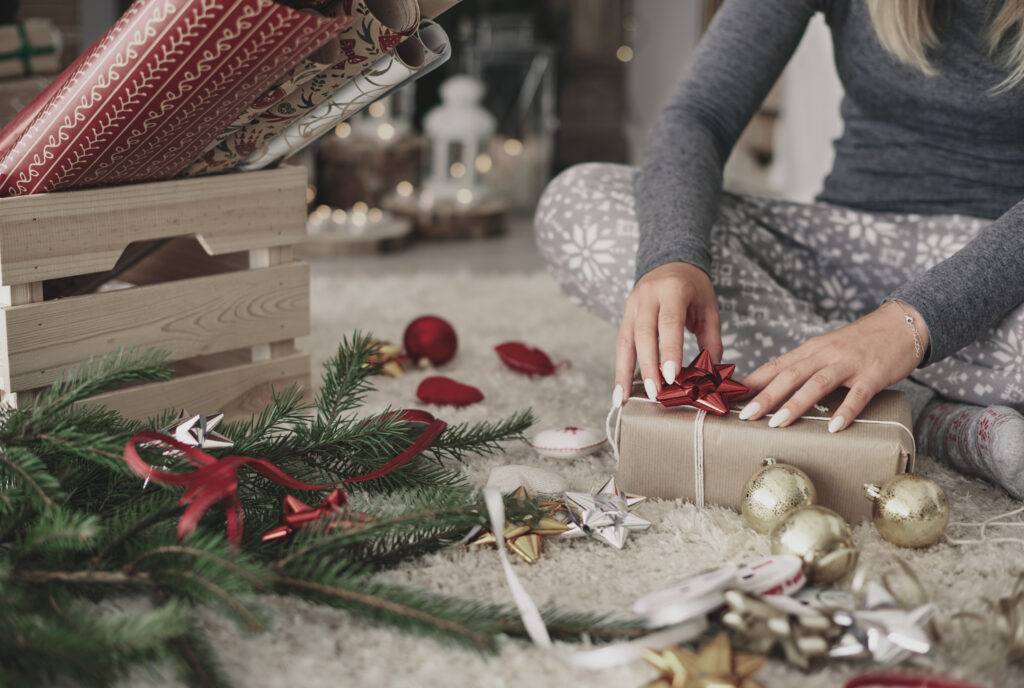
{"x":380,"y":79}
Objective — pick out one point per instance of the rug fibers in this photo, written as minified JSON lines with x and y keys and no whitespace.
{"x":315,"y":647}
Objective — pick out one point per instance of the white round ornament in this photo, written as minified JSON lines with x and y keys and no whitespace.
{"x":569,"y":442}
{"x":778,"y":574}
{"x":539,"y":482}
{"x":688,"y":599}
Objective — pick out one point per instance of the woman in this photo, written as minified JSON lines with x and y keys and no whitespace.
{"x":911,"y":263}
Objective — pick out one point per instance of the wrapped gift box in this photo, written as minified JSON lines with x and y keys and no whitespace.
{"x":656,"y":451}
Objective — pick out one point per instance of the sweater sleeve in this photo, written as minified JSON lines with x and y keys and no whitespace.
{"x":680,"y":179}
{"x":962,"y":297}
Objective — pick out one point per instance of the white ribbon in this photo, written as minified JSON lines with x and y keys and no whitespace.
{"x":532,"y":620}
{"x":623,"y":653}
{"x":993,"y":521}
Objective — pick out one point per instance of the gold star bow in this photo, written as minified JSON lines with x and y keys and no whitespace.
{"x":525,"y":539}
{"x":713,"y":666}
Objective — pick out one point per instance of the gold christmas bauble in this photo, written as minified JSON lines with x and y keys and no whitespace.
{"x":773,"y":491}
{"x":822,"y":540}
{"x":910,"y":510}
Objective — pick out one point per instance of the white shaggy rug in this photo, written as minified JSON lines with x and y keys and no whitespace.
{"x":313,"y":647}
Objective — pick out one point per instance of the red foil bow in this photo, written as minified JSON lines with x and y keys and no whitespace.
{"x":217,"y":479}
{"x":706,"y":385}
{"x":298,"y":514}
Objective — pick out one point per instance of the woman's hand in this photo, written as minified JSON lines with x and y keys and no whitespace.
{"x":663,"y":302}
{"x":867,"y":356}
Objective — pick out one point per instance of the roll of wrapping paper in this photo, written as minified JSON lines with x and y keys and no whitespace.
{"x":380,"y":25}
{"x":320,"y":59}
{"x":151,"y":93}
{"x":29,"y":47}
{"x":420,"y":55}
{"x":432,"y":8}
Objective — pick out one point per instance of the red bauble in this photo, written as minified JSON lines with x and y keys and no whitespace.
{"x":432,"y":338}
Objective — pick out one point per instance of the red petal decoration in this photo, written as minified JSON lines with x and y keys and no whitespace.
{"x":524,"y":359}
{"x":446,"y":391}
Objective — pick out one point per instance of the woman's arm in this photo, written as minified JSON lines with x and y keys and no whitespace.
{"x":951,"y":305}
{"x":680,"y":181}
{"x":962,"y":297}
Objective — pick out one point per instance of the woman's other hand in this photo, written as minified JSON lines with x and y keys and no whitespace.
{"x":664,"y":302}
{"x":866,"y":356}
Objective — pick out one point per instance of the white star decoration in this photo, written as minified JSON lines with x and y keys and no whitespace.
{"x":605,"y":515}
{"x":198,"y":431}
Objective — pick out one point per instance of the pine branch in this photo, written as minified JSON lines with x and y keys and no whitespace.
{"x":26,"y":468}
{"x":482,"y":438}
{"x":344,"y":384}
{"x":102,"y":374}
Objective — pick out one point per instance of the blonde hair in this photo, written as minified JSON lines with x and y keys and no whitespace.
{"x":906,"y":29}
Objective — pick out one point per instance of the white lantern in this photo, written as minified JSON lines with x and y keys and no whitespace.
{"x":460,"y":132}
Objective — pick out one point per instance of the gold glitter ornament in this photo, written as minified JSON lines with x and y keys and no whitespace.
{"x":772,"y":492}
{"x":822,"y":540}
{"x":909,"y":510}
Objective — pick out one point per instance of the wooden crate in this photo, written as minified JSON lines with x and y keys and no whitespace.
{"x":224,"y":295}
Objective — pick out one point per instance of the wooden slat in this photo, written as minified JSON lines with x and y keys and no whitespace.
{"x":67,"y":233}
{"x":188,"y":318}
{"x":237,"y":391}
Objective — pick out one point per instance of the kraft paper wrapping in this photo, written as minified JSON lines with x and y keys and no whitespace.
{"x":29,"y":47}
{"x":656,"y":452}
{"x":379,"y":26}
{"x":424,"y":52}
{"x":154,"y":91}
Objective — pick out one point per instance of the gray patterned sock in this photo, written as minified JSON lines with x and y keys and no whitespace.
{"x":979,"y":441}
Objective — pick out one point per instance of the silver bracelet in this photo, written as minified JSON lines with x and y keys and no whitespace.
{"x":913,"y":328}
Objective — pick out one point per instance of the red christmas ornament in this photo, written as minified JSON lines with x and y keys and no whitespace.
{"x":432,"y":338}
{"x":526,"y":359}
{"x":706,"y":385}
{"x":446,"y":391}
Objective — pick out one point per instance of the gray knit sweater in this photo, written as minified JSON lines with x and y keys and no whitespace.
{"x":911,"y":144}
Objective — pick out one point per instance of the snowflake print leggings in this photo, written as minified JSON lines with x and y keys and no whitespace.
{"x":783,"y":272}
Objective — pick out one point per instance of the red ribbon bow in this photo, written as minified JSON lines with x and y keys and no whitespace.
{"x":706,"y":385}
{"x":217,"y":479}
{"x":298,"y":514}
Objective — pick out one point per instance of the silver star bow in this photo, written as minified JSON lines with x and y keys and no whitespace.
{"x":198,"y":431}
{"x":194,"y":431}
{"x":606,"y":515}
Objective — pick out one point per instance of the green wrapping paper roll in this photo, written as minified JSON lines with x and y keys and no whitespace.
{"x":424,"y":52}
{"x":380,"y":25}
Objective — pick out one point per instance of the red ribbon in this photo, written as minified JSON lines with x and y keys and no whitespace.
{"x":893,"y":679}
{"x":706,"y":385}
{"x":298,"y":514}
{"x":217,"y":479}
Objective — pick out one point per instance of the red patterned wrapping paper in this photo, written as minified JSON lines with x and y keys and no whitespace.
{"x":379,"y":26}
{"x":150,"y":95}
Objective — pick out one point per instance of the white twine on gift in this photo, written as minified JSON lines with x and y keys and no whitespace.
{"x":613,"y":427}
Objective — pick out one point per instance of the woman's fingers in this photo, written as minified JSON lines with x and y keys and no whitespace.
{"x":820,"y":384}
{"x":645,"y":334}
{"x":671,"y":323}
{"x":709,"y":332}
{"x":856,"y":399}
{"x":625,"y":362}
{"x":787,"y":380}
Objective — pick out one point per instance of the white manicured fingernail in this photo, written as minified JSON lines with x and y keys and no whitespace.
{"x":617,"y":397}
{"x":668,"y":370}
{"x":779,"y":418}
{"x":652,"y":389}
{"x":749,"y":410}
{"x":836,"y":424}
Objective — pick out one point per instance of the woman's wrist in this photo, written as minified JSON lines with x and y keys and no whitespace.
{"x":915,"y":324}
